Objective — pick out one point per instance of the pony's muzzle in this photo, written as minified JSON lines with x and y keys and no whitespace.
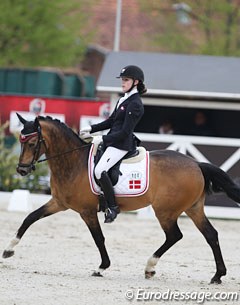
{"x":24,"y":170}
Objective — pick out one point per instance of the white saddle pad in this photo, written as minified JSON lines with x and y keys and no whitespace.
{"x":134,"y":180}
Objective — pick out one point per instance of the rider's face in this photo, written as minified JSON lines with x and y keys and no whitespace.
{"x":127,"y":84}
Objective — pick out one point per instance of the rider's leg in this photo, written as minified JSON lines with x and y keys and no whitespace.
{"x":107,"y":188}
{"x":110,"y":157}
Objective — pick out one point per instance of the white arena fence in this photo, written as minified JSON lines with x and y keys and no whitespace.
{"x":187,"y":145}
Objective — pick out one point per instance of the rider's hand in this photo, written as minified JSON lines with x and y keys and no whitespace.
{"x":85,"y":132}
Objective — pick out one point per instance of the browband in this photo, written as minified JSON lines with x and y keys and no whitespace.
{"x":25,"y":137}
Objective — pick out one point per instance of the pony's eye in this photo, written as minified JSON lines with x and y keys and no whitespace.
{"x":31,"y":145}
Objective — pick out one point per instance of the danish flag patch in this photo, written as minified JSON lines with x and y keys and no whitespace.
{"x":134,"y":184}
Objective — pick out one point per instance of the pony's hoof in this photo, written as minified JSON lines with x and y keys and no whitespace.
{"x":7,"y":253}
{"x":149,"y":274}
{"x":216,"y":281}
{"x":97,"y":273}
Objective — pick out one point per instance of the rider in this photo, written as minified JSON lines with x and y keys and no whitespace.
{"x":120,"y":139}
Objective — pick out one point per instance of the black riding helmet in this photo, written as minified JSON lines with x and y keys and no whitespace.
{"x":133,"y":72}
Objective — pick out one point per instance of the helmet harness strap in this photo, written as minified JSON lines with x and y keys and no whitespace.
{"x":133,"y":85}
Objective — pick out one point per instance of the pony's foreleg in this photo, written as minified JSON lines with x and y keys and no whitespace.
{"x":51,"y":207}
{"x":91,"y":220}
{"x":173,"y":234}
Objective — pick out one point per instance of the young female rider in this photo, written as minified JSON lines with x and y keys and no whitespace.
{"x":120,"y":139}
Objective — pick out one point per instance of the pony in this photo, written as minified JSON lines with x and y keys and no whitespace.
{"x":177,"y":184}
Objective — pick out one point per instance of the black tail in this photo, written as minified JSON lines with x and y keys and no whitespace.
{"x":216,"y":180}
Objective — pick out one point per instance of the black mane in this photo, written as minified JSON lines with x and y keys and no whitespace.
{"x":70,"y":133}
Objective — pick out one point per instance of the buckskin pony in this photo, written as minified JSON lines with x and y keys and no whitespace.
{"x":177,"y":184}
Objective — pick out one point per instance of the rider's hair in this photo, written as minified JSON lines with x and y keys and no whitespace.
{"x":141,"y":87}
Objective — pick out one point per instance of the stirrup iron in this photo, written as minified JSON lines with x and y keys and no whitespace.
{"x":111,"y":214}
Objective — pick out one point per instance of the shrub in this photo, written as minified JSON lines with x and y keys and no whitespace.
{"x":9,"y":179}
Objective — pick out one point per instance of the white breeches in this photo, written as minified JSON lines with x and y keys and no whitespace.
{"x":110,"y":157}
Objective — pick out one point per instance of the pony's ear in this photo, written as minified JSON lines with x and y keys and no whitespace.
{"x":21,"y":119}
{"x":36,"y":123}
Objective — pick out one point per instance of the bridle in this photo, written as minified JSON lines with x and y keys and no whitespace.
{"x":40,"y":140}
{"x":25,"y":138}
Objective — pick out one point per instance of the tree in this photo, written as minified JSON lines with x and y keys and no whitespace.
{"x":213,"y":26}
{"x":220,"y":22}
{"x":41,"y":32}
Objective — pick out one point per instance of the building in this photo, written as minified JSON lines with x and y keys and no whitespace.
{"x":178,"y":85}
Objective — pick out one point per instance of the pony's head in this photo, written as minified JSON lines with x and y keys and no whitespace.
{"x":31,"y":145}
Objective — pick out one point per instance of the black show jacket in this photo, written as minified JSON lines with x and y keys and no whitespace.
{"x":122,"y":123}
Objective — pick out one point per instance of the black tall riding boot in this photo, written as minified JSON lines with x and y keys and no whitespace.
{"x":107,"y":188}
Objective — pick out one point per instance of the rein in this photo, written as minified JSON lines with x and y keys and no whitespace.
{"x":63,"y":153}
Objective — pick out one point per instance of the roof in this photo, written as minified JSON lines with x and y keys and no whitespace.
{"x":175,"y":74}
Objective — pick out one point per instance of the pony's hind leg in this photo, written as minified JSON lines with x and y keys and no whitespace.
{"x":173,"y":234}
{"x":92,"y":222}
{"x":51,"y":207}
{"x":196,"y":213}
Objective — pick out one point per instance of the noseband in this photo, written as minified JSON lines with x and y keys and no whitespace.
{"x":24,"y":139}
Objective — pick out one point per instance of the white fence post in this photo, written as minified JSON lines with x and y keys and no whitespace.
{"x":20,"y":201}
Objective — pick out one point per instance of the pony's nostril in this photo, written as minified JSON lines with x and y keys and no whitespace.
{"x":22,"y":172}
